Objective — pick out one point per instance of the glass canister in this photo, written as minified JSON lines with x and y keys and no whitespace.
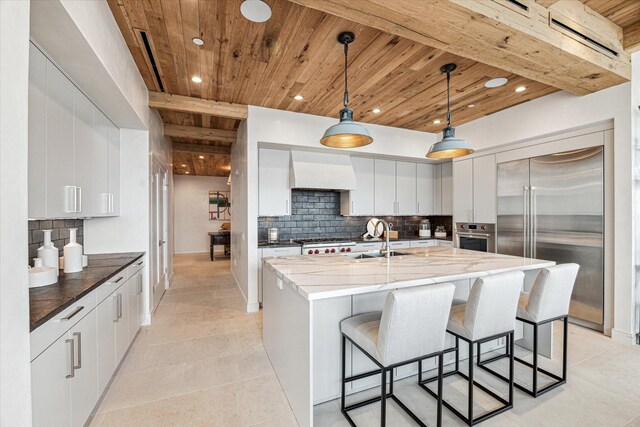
{"x":425,"y":228}
{"x":273,"y":235}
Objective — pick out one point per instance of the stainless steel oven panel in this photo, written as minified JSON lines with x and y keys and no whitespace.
{"x":468,"y":231}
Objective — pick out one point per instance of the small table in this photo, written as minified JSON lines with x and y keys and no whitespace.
{"x":220,"y":238}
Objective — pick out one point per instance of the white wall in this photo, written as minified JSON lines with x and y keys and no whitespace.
{"x":558,"y":113}
{"x":191,"y":219}
{"x":15,"y":373}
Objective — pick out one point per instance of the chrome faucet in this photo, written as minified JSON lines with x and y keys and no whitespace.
{"x":386,"y":250}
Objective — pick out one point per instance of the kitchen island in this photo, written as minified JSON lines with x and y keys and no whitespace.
{"x":305,"y":298}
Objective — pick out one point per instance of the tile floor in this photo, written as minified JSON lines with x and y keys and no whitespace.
{"x":202,"y":363}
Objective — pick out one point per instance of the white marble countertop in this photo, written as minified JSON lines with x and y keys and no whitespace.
{"x":334,"y":275}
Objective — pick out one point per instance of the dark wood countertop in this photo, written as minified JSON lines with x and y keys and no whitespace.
{"x":47,"y":301}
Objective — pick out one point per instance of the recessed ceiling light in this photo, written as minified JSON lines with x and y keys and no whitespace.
{"x":500,"y":81}
{"x":376,"y":111}
{"x":521,"y":89}
{"x":187,"y":172}
{"x":184,"y":166}
{"x":471,"y":105}
{"x":201,"y":157}
{"x":197,"y":41}
{"x":255,"y":10}
{"x":298,"y":98}
{"x":196,"y":79}
{"x":436,"y":122}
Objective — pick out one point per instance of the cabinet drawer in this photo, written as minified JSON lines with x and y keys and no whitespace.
{"x":271,"y":252}
{"x":400,"y":245}
{"x":113,"y":283}
{"x":364,"y":247}
{"x":421,"y":243}
{"x":134,"y":268}
{"x":47,"y":334}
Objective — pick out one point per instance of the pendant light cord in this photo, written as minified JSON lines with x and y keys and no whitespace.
{"x":346,"y":91}
{"x":448,"y":100}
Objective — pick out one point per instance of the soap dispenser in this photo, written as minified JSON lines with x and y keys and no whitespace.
{"x":72,"y":253}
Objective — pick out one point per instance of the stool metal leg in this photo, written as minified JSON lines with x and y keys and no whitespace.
{"x":383,"y":399}
{"x":440,"y":381}
{"x":470,"y":381}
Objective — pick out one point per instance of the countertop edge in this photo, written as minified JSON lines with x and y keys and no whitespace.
{"x":284,"y":244}
{"x":61,"y":307}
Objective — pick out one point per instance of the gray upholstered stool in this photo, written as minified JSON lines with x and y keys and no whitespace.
{"x":410,"y":328}
{"x":489,"y":314}
{"x":548,"y":301}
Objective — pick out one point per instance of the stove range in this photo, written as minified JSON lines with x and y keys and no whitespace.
{"x":325,"y":245}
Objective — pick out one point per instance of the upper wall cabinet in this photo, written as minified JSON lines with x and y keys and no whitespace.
{"x":274,"y":190}
{"x":360,"y":200}
{"x":425,"y":188}
{"x":74,"y":155}
{"x":442,"y":189}
{"x":474,"y":189}
{"x":406,"y":196}
{"x":385,"y":187}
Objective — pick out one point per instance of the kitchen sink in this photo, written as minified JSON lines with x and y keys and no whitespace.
{"x":375,"y":254}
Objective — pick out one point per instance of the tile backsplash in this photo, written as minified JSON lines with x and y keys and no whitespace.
{"x":316,"y":213}
{"x":59,"y":234}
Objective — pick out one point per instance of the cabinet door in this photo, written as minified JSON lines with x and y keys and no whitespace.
{"x":114,"y":169}
{"x":135,"y":298}
{"x":361,"y":199}
{"x":107,"y":316}
{"x":84,"y":145}
{"x":122,"y":325}
{"x":484,"y":189}
{"x":84,"y":384}
{"x":50,"y":398}
{"x":274,"y":191}
{"x":273,"y":252}
{"x":445,"y":243}
{"x":437,"y":189}
{"x":405,"y":244}
{"x":406,"y":196}
{"x":463,"y":191}
{"x":447,"y":189}
{"x":100,"y":164}
{"x":37,"y":133}
{"x":260,"y":275}
{"x":421,"y":243}
{"x":425,"y":188}
{"x":385,"y":187}
{"x":61,"y":193}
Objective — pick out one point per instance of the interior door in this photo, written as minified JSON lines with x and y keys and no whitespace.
{"x":568,"y":222}
{"x":158,"y":234}
{"x":513,"y":205}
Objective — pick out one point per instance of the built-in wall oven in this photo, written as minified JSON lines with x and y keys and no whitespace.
{"x":475,"y":237}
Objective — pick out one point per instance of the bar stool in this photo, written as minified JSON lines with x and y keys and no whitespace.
{"x":548,"y":301}
{"x":488,"y":314}
{"x":410,"y":327}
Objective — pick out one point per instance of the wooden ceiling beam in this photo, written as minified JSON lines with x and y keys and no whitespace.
{"x":631,"y":38}
{"x":495,"y":34}
{"x":203,"y":134}
{"x":188,"y":104}
{"x":546,"y":3}
{"x":202,"y":149}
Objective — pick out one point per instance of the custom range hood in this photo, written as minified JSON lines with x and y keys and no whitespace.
{"x":321,"y":171}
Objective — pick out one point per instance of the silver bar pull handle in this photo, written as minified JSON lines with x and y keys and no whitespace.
{"x":70,"y":195}
{"x":534,"y":221}
{"x":119,"y":306}
{"x":78,"y":199}
{"x":139,"y":284}
{"x":352,"y":209}
{"x":72,"y":314}
{"x":79,"y":336}
{"x":116,"y":318}
{"x":139,"y":263}
{"x":118,"y":279}
{"x":525,"y":220}
{"x":72,"y":363}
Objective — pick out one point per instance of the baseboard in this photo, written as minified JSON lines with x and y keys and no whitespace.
{"x":622,"y":336}
{"x":147,"y":319}
{"x":194,"y":252}
{"x":253,"y":307}
{"x":235,"y":279}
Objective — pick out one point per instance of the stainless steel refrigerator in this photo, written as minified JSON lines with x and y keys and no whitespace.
{"x":552,"y":207}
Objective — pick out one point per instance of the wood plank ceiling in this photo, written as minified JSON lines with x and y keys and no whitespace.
{"x":296,"y":53}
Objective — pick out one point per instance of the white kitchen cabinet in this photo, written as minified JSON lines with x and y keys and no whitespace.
{"x":406,"y":181}
{"x":50,"y":397}
{"x":107,"y":314}
{"x":474,"y":190}
{"x":385,"y":187}
{"x":368,"y":246}
{"x":463,"y":191}
{"x":423,"y":243}
{"x":84,"y":145}
{"x":442,"y":189}
{"x":399,"y":244}
{"x":122,"y":324}
{"x":62,"y":194}
{"x":425,"y":189}
{"x":101,"y":195}
{"x":114,"y":169}
{"x":135,"y":292}
{"x":445,"y":243}
{"x":484,"y":189}
{"x":37,"y":133}
{"x":273,"y":252}
{"x":274,"y":190}
{"x":84,"y":384}
{"x":360,"y":200}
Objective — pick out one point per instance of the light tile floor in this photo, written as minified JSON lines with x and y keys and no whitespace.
{"x":202,"y":363}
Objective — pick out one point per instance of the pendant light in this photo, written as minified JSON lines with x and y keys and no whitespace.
{"x":347,"y":133}
{"x":450,"y":146}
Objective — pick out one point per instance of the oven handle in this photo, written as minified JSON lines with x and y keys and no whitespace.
{"x":477,"y":235}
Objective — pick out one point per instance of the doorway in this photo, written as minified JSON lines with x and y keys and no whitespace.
{"x":159,"y":233}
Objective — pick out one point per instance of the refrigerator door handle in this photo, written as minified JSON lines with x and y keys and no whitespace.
{"x":525,"y":228}
{"x":534,"y":221}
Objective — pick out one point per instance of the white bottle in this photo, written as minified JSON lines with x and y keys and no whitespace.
{"x":72,"y":253}
{"x":48,"y":253}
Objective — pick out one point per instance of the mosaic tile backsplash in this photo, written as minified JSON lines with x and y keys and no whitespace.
{"x":317,"y":214}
